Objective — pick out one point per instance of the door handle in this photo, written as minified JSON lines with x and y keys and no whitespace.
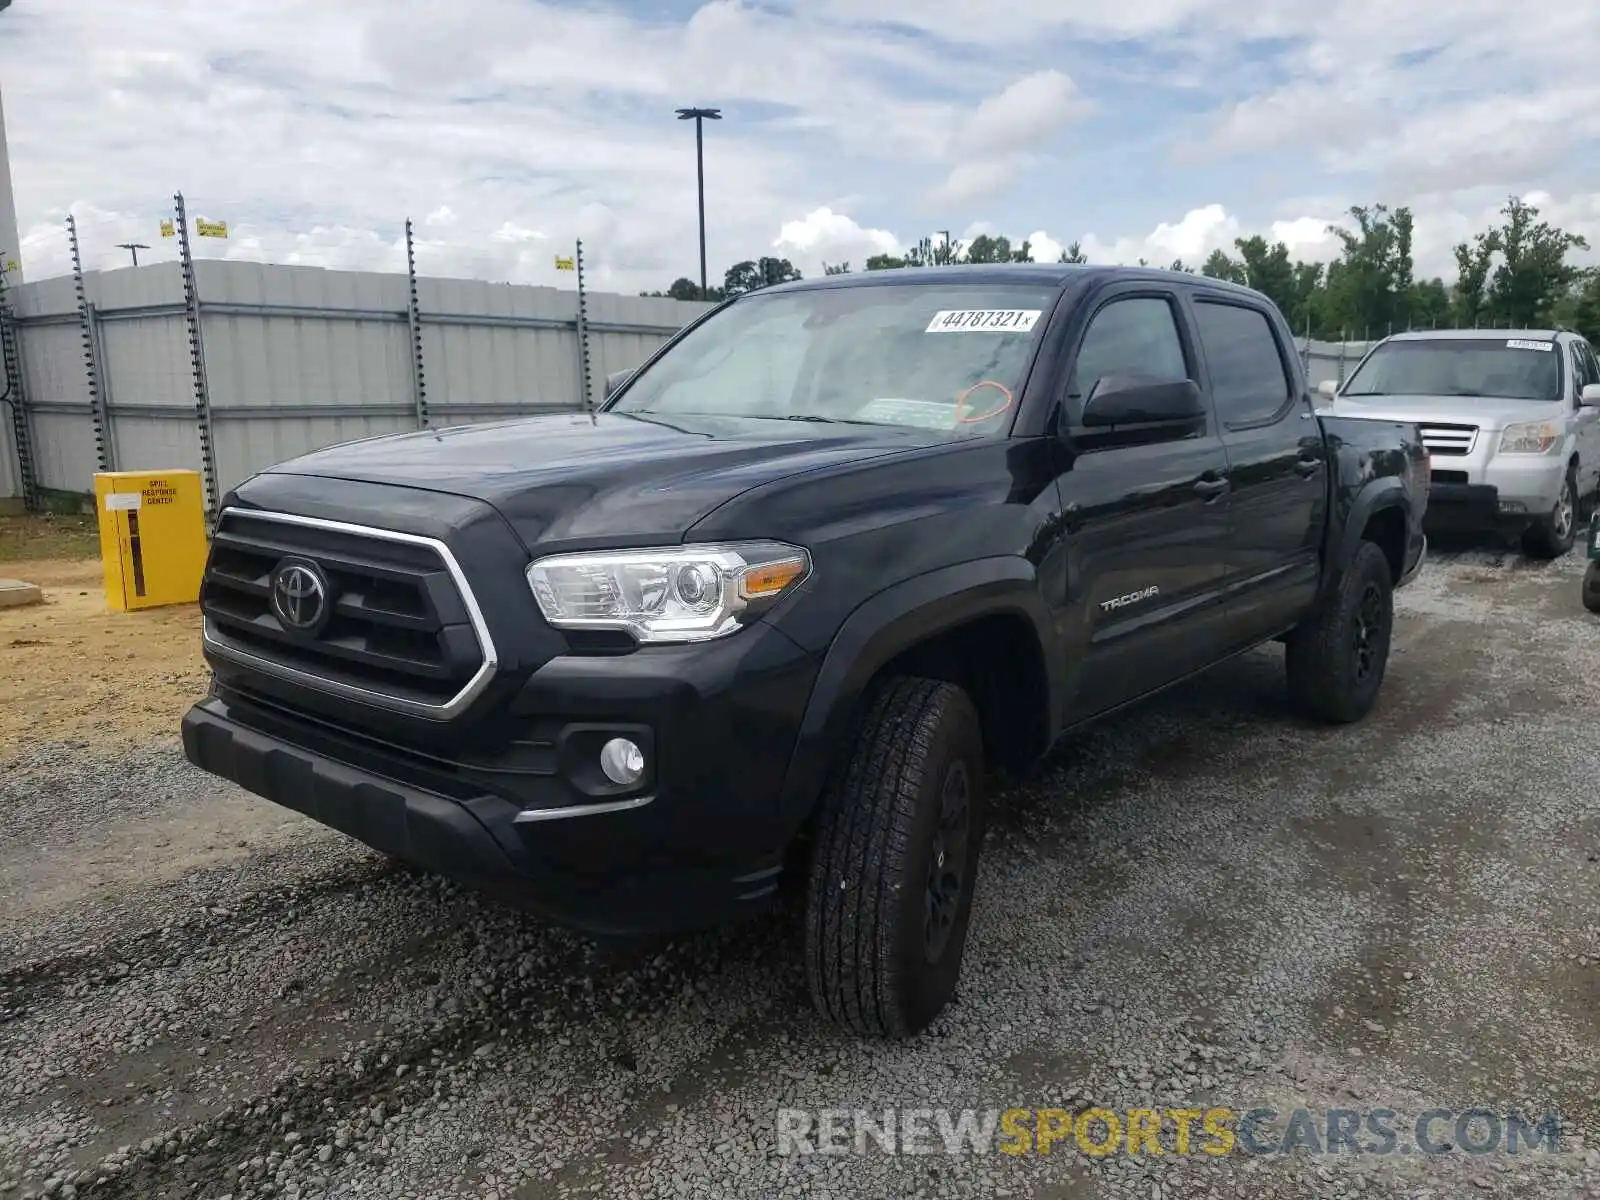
{"x":1211,"y":488}
{"x":1308,"y":466}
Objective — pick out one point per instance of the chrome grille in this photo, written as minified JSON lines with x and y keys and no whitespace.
{"x":1449,"y":439}
{"x":402,"y":630}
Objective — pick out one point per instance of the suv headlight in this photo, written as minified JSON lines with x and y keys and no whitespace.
{"x":1529,"y":437}
{"x":673,"y":594}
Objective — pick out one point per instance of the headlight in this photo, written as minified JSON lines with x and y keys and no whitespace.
{"x":1529,"y":437}
{"x":674,"y":594}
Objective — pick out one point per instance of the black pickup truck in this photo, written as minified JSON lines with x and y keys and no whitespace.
{"x":840,"y":554}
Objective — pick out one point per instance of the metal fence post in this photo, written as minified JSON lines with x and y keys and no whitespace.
{"x":103,"y":454}
{"x":419,"y":385}
{"x":583,"y":332}
{"x":17,"y":396}
{"x":197,"y":362}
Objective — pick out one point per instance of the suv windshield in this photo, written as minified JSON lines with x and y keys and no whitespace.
{"x":937,"y":356}
{"x":1507,"y":368}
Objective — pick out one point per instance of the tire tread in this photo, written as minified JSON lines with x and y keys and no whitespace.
{"x":864,"y":834}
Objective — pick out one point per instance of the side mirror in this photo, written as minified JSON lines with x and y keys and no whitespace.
{"x":1137,"y":400}
{"x":1590,"y":396}
{"x":1328,"y":389}
{"x":615,"y":380}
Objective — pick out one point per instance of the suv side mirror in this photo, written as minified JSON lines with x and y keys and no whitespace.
{"x":615,"y":380}
{"x":1138,"y":400}
{"x":1589,"y":397}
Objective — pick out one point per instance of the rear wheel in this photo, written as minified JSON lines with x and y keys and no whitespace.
{"x":895,"y":860}
{"x":1552,"y":535}
{"x":1336,"y":659}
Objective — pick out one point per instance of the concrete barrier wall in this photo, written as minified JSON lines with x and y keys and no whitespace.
{"x":297,"y":358}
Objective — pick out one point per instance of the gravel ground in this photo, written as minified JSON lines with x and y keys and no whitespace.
{"x":1201,"y":903}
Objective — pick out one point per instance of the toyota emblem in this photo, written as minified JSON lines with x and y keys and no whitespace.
{"x":300,"y":598}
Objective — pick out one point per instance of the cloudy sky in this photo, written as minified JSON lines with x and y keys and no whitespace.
{"x":507,"y":128}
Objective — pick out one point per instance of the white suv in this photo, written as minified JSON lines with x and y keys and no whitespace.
{"x":1511,"y":419}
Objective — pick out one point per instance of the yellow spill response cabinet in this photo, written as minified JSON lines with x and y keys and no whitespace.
{"x":152,"y":537}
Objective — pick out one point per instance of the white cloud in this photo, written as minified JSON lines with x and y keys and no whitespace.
{"x":997,"y":140}
{"x":824,"y":236}
{"x":508,"y":127}
{"x":1192,"y":237}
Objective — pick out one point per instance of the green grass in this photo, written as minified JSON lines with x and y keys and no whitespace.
{"x":49,"y":535}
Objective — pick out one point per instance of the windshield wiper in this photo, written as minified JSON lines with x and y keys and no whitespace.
{"x":813,"y":418}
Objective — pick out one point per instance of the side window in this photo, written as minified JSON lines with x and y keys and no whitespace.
{"x":1584,"y":370}
{"x":1139,"y":334}
{"x":1594,"y":363}
{"x":1249,"y":381}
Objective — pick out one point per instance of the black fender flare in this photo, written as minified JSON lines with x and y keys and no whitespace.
{"x":893,"y":621}
{"x":1374,"y":497}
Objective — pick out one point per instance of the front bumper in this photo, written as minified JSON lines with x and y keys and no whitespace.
{"x":1503,"y":491}
{"x":700,"y":842}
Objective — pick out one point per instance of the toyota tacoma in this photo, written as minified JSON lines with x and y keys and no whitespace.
{"x":837,"y":557}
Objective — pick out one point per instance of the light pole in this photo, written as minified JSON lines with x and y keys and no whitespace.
{"x":699,"y":116}
{"x":133,"y":248}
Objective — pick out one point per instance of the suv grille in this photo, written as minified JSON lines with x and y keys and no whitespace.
{"x":1449,"y":439}
{"x":375,"y":616}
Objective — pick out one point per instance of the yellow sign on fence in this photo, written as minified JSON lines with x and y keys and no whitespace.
{"x":566,"y":264}
{"x":216,"y":229}
{"x":152,"y":537}
{"x":168,"y":229}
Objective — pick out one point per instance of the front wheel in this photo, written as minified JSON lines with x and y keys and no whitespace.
{"x":895,"y":860}
{"x":1552,"y":535}
{"x":1336,"y":658}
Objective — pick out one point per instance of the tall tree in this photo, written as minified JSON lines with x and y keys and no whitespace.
{"x":1579,"y":308}
{"x":1533,"y":274}
{"x":1219,"y":266}
{"x":1268,"y":270}
{"x":1373,"y":273}
{"x":751,"y":275}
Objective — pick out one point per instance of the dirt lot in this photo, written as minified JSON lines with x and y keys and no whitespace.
{"x":1203,"y":902}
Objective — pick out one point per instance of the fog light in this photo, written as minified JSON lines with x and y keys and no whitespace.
{"x":622,"y":761}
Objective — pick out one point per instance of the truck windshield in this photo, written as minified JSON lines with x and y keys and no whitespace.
{"x":936,"y":356}
{"x":1506,"y":368}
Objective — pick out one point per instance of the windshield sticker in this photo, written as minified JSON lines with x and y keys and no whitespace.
{"x":1518,"y":344}
{"x":984,"y":320}
{"x":922,"y":414}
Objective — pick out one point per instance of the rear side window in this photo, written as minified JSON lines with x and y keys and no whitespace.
{"x":1248,"y":379}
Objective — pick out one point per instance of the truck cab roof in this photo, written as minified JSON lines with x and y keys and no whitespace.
{"x":1051,"y":274}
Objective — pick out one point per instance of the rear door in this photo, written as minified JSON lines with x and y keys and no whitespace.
{"x":1277,"y":464}
{"x":1147,"y":524}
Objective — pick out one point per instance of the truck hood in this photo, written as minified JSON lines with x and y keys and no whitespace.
{"x":604,"y":477}
{"x":1486,"y":412}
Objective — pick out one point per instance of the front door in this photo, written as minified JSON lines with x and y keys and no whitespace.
{"x":1585,"y":370}
{"x":1146,"y":524}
